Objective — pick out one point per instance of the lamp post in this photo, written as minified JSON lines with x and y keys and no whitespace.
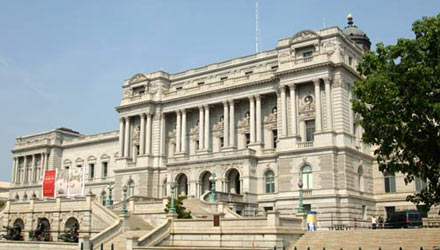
{"x":172,"y":208}
{"x":301,"y":207}
{"x":109,"y":200}
{"x":124,"y":201}
{"x":213,"y":194}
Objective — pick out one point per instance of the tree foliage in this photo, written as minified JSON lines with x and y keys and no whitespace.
{"x":399,"y":101}
{"x":180,"y":209}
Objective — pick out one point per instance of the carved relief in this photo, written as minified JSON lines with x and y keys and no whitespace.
{"x":137,"y":78}
{"x":304,"y":35}
{"x":136,"y":135}
{"x":244,"y":123}
{"x":307,"y":104}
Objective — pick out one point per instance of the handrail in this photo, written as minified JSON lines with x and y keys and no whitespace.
{"x":108,"y":233}
{"x":156,"y":234}
{"x":106,"y":210}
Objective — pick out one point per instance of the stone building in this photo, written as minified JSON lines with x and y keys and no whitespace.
{"x":262,"y":123}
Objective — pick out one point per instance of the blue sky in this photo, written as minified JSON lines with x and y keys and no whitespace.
{"x":62,"y":63}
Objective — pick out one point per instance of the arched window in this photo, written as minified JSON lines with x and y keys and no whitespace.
{"x":182,"y":185}
{"x":307,"y":177}
{"x":390,"y":182}
{"x":269,"y":181}
{"x":361,"y":179}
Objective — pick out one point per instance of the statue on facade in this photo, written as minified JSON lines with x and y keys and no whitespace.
{"x":12,"y":233}
{"x":71,"y":234}
{"x":41,"y":233}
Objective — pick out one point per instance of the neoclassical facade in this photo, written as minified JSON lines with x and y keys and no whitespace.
{"x":262,"y":123}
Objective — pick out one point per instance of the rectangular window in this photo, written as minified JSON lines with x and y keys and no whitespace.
{"x":350,"y":60}
{"x":275,"y":137}
{"x":78,"y":166}
{"x":310,"y":130}
{"x":274,"y":67}
{"x":91,"y":170}
{"x":104,"y":169}
{"x":248,"y":138}
{"x":390,"y":184}
{"x":200,"y":83}
{"x":222,"y":142}
{"x":223,"y":78}
{"x":179,"y":88}
{"x":307,"y":54}
{"x":248,"y":72}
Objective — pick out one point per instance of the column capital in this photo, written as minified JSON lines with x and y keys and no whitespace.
{"x":183,"y":111}
{"x":200,"y":107}
{"x":257,"y":97}
{"x":178,"y":112}
{"x":251,"y":98}
{"x":231,"y":101}
{"x":327,"y":80}
{"x":225,"y":102}
{"x":316,"y":81}
{"x":292,"y":86}
{"x":149,"y":114}
{"x":282,"y":88}
{"x":206,"y":106}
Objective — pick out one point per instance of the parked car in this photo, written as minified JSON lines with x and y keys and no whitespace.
{"x":404,"y":219}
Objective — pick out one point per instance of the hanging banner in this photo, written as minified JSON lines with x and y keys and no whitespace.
{"x":76,"y":182}
{"x":49,"y":183}
{"x":61,"y":184}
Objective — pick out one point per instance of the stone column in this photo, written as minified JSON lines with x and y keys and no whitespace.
{"x":293,"y":108}
{"x":328,"y":104}
{"x":178,"y":129}
{"x":142,"y":136}
{"x":283,"y":111}
{"x":121,"y":137}
{"x":162,"y":134}
{"x":43,"y":163}
{"x":25,"y":175}
{"x":127,"y":137}
{"x":183,"y":132}
{"x":201,"y":127}
{"x":317,"y":105}
{"x":32,"y":179}
{"x":225,"y":124}
{"x":207,"y":128}
{"x":231,"y":123}
{"x":252,"y":118}
{"x":350,"y":113}
{"x":14,"y":170}
{"x":258,"y":117}
{"x":148,"y":141}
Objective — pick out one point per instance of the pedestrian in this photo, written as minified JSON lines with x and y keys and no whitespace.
{"x":380,"y":220}
{"x":373,"y":222}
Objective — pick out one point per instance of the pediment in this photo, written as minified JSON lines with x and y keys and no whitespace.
{"x":137,"y":78}
{"x":304,"y":35}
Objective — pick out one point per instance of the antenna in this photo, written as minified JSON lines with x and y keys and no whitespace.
{"x":323,"y":22}
{"x":257,"y":28}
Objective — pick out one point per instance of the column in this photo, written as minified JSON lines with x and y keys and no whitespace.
{"x":201,"y":127}
{"x":142,"y":136}
{"x":252,"y":118}
{"x":317,"y":105}
{"x":328,"y":104}
{"x":127,"y":137}
{"x":183,"y":132}
{"x":14,"y":169}
{"x":207,"y":128}
{"x":231,"y":124}
{"x":226,"y":124}
{"x":350,"y":113}
{"x":121,"y":137}
{"x":148,"y":141}
{"x":283,"y":111}
{"x":33,"y":169}
{"x":258,"y":117}
{"x":178,"y":129}
{"x":25,"y":177}
{"x":43,"y":169}
{"x":162,"y":135}
{"x":293,"y":108}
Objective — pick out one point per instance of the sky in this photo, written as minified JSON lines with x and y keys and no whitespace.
{"x":62,"y":63}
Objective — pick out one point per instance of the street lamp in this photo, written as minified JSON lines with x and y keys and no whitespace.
{"x":109,"y":201}
{"x":124,"y":201}
{"x":172,"y":208}
{"x":301,"y":207}
{"x":213,"y":194}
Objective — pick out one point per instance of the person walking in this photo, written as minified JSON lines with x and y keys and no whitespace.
{"x":373,"y":222}
{"x":380,"y":220}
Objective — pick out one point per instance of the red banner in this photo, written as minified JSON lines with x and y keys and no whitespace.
{"x":49,"y":183}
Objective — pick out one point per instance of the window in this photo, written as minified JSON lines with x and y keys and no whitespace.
{"x":138,"y":91}
{"x":223,"y":78}
{"x":307,"y":54}
{"x":420,"y":184}
{"x":361,"y":179}
{"x":222,"y":142}
{"x":275,"y":137}
{"x":138,"y":149}
{"x":350,"y":60}
{"x":364,"y":212}
{"x":78,"y":166}
{"x":274,"y":67}
{"x":91,"y":170}
{"x":269,"y":182}
{"x":248,"y":138}
{"x":307,"y":208}
{"x":307,"y":178}
{"x":197,"y":144}
{"x":248,"y":72}
{"x":103,"y":197}
{"x":390,"y":183}
{"x":104,"y":169}
{"x":200,"y":83}
{"x":131,"y":188}
{"x":179,"y":88}
{"x":310,"y":130}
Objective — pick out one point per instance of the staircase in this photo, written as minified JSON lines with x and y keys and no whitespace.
{"x":387,"y":239}
{"x":195,"y":206}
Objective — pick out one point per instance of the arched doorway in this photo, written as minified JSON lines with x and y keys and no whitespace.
{"x":182,"y":185}
{"x":71,"y":229}
{"x":233,"y":177}
{"x":205,"y":184}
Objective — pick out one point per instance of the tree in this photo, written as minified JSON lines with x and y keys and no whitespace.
{"x":180,"y":209}
{"x":399,"y":101}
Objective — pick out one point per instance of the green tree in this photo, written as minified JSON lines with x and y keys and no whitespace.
{"x":180,"y":209}
{"x":399,"y":101}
